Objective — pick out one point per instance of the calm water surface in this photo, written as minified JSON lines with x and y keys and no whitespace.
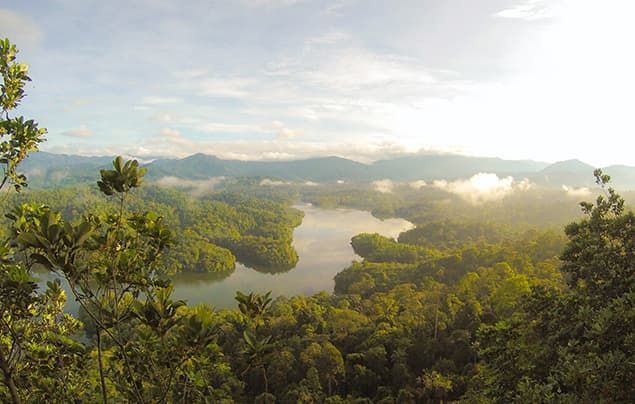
{"x":323,"y":245}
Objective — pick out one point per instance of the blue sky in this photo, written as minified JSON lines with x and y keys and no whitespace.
{"x":364,"y":79}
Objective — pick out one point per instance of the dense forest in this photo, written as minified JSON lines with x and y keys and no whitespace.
{"x":454,"y":310}
{"x":210,"y":233}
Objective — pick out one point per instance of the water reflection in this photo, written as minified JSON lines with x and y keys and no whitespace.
{"x":323,"y":245}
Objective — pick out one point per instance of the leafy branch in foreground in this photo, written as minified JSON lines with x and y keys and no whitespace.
{"x":109,"y":262}
{"x":37,"y":358}
{"x":18,"y":136}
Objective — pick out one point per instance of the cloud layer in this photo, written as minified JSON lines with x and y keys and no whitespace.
{"x":295,"y":78}
{"x":483,"y":187}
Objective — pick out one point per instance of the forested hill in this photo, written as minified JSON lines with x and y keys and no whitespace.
{"x":51,"y":170}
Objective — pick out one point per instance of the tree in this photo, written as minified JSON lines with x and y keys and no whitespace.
{"x":327,"y":360}
{"x":575,"y":345}
{"x":600,"y":256}
{"x":256,"y":349}
{"x":30,"y":322}
{"x":18,"y":136}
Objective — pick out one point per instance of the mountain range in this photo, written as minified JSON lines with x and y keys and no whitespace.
{"x":50,"y":170}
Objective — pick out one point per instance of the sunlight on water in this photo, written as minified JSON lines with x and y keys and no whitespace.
{"x":323,"y":244}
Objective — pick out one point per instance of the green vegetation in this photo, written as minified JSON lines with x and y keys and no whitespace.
{"x":211,"y":233}
{"x":453,"y":310}
{"x":377,"y":248}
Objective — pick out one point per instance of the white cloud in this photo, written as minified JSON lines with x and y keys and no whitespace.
{"x":335,"y":8}
{"x":219,"y":127}
{"x":576,"y":192}
{"x":529,"y":10}
{"x":482,"y":187}
{"x":329,"y":38}
{"x":170,"y":142}
{"x":231,"y":87}
{"x":282,"y":132}
{"x":417,"y":184}
{"x":276,"y":155}
{"x":311,"y":184}
{"x":191,"y":73}
{"x":19,"y":28}
{"x":384,"y":186}
{"x":525,"y":185}
{"x":141,"y":108}
{"x":500,"y":86}
{"x":273,"y":3}
{"x":356,"y":68}
{"x":82,"y":131}
{"x":171,"y":133}
{"x":163,"y":117}
{"x":157,"y":100}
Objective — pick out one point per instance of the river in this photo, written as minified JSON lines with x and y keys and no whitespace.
{"x":323,"y":245}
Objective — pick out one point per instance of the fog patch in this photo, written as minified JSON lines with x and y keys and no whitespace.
{"x":141,"y":161}
{"x":273,"y":183}
{"x":35,"y":173}
{"x":576,"y":192}
{"x":311,"y":184}
{"x":195,"y":187}
{"x":57,"y":175}
{"x":384,"y":186}
{"x":483,"y":187}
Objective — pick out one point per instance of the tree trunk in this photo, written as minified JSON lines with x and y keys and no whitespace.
{"x":436,"y":321}
{"x":8,"y":379}
{"x":264,"y":377}
{"x":102,"y":379}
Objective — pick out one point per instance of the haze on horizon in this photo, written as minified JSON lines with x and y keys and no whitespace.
{"x":546,"y":80}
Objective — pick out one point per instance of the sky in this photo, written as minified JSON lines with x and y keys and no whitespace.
{"x":546,"y":80}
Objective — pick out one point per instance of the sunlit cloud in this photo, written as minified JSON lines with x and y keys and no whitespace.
{"x":521,"y":79}
{"x":158,"y":100}
{"x":385,"y":186}
{"x":576,"y":192}
{"x":224,"y":87}
{"x":530,"y":10}
{"x":282,"y":132}
{"x":20,"y":28}
{"x":417,"y":184}
{"x":482,"y":187}
{"x":171,"y":142}
{"x":82,"y":132}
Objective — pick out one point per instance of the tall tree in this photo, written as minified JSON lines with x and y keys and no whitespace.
{"x":577,"y":345}
{"x":28,"y":319}
{"x":18,"y":136}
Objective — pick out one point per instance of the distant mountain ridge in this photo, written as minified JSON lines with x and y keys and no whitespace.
{"x":50,"y":170}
